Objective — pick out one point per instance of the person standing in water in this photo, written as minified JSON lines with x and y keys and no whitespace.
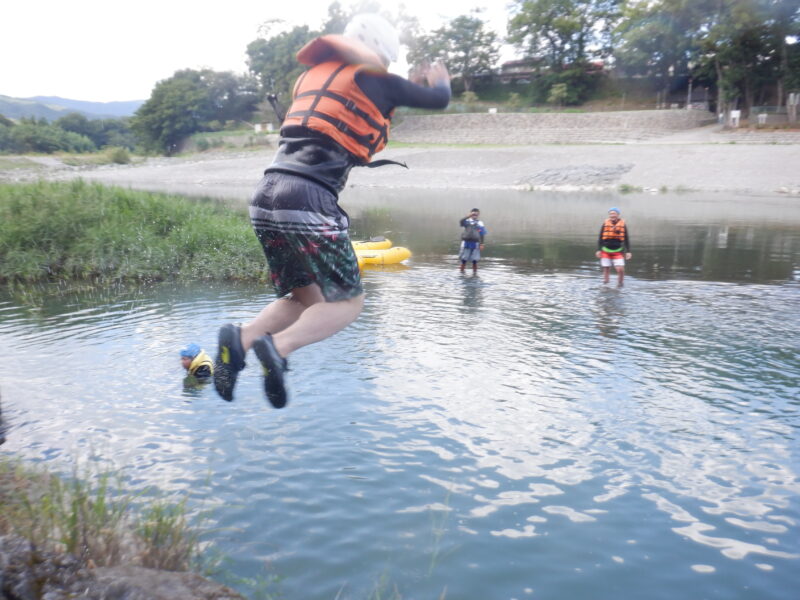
{"x":471,"y":239}
{"x":339,"y":118}
{"x":613,"y":246}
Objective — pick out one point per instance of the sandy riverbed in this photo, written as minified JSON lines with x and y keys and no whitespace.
{"x":688,"y":161}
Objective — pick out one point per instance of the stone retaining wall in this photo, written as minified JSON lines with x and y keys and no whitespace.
{"x":758,"y":136}
{"x":545,"y":128}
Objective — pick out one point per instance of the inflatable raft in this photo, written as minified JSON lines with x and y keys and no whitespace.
{"x":379,"y":251}
{"x":375,"y":243}
{"x":386,"y":256}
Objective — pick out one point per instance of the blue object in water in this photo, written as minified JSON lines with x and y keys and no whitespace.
{"x":191,"y":350}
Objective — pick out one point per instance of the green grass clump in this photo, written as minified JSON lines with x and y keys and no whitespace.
{"x":627,"y":188}
{"x":52,"y":231}
{"x":15,"y":163}
{"x":94,"y":522}
{"x":108,"y":156}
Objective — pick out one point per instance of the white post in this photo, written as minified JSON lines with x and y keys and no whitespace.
{"x":689,"y":95}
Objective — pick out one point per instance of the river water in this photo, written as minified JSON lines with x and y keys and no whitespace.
{"x":525,"y":432}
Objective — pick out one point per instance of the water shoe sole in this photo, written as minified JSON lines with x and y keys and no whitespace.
{"x":229,"y":360}
{"x":274,"y":367}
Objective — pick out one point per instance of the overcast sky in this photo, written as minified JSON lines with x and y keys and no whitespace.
{"x":104,"y":51}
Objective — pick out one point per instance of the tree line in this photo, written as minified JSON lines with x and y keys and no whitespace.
{"x":71,"y":133}
{"x":745,"y":51}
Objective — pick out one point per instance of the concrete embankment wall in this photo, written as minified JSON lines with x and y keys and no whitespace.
{"x":545,"y":128}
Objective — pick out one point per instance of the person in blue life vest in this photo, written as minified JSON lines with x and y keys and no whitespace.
{"x":471,"y":239}
{"x":196,"y":362}
{"x":613,"y":246}
{"x":339,"y":118}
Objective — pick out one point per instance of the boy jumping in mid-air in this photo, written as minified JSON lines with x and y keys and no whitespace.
{"x":339,"y":118}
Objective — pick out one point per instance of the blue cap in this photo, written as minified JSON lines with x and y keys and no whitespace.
{"x":615,"y":209}
{"x":191,"y":351}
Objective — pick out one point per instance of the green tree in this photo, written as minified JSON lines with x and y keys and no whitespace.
{"x":272,"y":61}
{"x":792,"y":81}
{"x":558,"y":93}
{"x":232,"y":97}
{"x":469,"y":48}
{"x":178,"y":107}
{"x":337,"y":19}
{"x":658,"y":39}
{"x":564,"y":35}
{"x":515,"y":102}
{"x":77,"y":123}
{"x":784,"y":21}
{"x":32,"y":135}
{"x":563,"y":32}
{"x":191,"y":101}
{"x":739,"y":45}
{"x":115,"y":132}
{"x":102,"y":132}
{"x":424,"y":47}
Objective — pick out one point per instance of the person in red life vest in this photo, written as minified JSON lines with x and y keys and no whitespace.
{"x":613,"y":246}
{"x":339,"y":118}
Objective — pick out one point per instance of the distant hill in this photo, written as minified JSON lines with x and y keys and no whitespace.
{"x":53,"y":107}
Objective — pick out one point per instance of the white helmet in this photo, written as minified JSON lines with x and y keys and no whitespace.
{"x":376,"y":33}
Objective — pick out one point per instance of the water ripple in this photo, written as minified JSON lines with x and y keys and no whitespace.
{"x":463,"y":426}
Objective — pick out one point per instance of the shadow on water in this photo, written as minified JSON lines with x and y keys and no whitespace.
{"x":524,"y":431}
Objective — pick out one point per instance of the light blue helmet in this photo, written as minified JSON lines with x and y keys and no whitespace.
{"x":190,"y":351}
{"x":615,"y":209}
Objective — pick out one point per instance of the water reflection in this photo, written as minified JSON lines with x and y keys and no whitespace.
{"x":610,"y":312}
{"x":472,"y":288}
{"x":715,"y":238}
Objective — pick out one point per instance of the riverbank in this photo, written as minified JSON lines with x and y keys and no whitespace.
{"x":85,"y":232}
{"x":701,"y":159}
{"x":68,"y":538}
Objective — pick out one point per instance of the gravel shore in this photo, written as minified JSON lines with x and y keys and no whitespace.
{"x":702,"y":160}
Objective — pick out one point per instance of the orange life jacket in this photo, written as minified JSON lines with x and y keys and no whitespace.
{"x":327,"y":99}
{"x":613,"y":231}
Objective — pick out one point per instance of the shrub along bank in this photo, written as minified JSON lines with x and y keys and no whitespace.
{"x":53,"y":231}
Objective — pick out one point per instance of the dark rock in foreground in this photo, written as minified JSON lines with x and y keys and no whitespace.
{"x":29,"y":574}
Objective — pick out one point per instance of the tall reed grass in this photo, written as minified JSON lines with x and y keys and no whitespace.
{"x":96,"y":522}
{"x":54,"y":231}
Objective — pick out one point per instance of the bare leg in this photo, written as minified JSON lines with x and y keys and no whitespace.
{"x":274,"y":317}
{"x":318,"y":321}
{"x":620,"y":275}
{"x":474,"y":266}
{"x":606,"y":274}
{"x":463,"y":265}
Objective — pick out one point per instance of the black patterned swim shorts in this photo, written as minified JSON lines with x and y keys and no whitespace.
{"x":304,"y":236}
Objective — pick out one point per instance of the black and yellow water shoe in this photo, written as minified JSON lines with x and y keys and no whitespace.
{"x":229,"y":360}
{"x":274,"y":367}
